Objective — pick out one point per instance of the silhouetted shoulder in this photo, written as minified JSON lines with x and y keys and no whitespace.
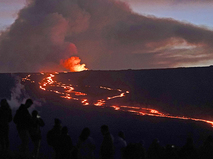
{"x":5,"y":112}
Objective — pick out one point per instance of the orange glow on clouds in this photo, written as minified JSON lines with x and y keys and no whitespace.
{"x":73,"y":64}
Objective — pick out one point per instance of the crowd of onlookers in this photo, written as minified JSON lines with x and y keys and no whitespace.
{"x":28,"y":128}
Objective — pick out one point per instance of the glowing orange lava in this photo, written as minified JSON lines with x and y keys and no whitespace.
{"x":156,"y":113}
{"x":73,"y":64}
{"x":100,"y":102}
{"x":68,"y":92}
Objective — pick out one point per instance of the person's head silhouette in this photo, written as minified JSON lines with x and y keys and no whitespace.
{"x":28,"y":103}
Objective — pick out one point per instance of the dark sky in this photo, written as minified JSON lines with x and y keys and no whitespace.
{"x":104,"y":34}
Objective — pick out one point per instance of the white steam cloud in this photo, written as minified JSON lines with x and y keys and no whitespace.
{"x":19,"y":96}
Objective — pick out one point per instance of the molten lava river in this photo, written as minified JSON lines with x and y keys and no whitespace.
{"x":68,"y":91}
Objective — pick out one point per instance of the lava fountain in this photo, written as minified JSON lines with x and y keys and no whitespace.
{"x":73,"y":64}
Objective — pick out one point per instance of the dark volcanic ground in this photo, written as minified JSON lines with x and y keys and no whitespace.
{"x":181,"y":91}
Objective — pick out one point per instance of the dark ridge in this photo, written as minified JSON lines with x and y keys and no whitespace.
{"x":178,"y":91}
{"x":175,"y":90}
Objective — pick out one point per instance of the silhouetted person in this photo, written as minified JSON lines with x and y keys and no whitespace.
{"x":171,"y":152}
{"x":155,"y":150}
{"x":86,"y":145}
{"x":120,"y":144}
{"x":5,"y":118}
{"x":206,"y":150}
{"x":23,"y":119}
{"x":35,"y":132}
{"x":134,"y":151}
{"x":188,"y":151}
{"x":107,"y":147}
{"x":53,"y":137}
{"x":64,"y":144}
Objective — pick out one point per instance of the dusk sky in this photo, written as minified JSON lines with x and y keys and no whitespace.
{"x":38,"y":35}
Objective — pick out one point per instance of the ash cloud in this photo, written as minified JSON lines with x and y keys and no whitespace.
{"x":106,"y":33}
{"x":169,"y":2}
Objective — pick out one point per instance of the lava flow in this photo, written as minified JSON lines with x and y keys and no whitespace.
{"x":68,"y":91}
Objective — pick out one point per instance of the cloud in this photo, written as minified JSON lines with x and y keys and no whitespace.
{"x":169,"y":2}
{"x":106,"y":33}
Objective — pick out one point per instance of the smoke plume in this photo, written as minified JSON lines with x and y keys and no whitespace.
{"x":19,"y":95}
{"x":107,"y":34}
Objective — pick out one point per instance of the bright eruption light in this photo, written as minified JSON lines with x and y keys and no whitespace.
{"x":73,"y":64}
{"x":67,"y":91}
